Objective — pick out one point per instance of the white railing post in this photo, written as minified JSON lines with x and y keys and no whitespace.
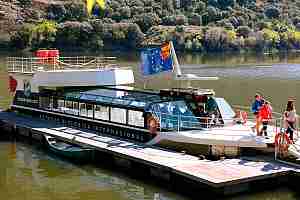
{"x":160,"y":121}
{"x":31,"y":64}
{"x":178,"y":125}
{"x":13,"y":64}
{"x":22,"y":65}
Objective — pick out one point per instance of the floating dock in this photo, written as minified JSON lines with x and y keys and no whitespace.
{"x":178,"y":170}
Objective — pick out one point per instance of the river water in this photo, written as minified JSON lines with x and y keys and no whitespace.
{"x":27,"y":172}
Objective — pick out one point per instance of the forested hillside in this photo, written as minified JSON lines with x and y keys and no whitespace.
{"x":193,"y":25}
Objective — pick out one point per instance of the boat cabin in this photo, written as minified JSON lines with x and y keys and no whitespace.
{"x":174,"y":109}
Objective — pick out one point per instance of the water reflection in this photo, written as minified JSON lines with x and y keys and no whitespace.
{"x":35,"y":174}
{"x":39,"y":175}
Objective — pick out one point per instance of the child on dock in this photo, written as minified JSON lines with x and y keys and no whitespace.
{"x":265,"y":115}
{"x":290,"y":118}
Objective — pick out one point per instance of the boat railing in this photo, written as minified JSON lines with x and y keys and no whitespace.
{"x":181,"y":122}
{"x":34,"y":64}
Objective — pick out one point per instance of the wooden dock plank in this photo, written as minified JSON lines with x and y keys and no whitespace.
{"x":214,"y":173}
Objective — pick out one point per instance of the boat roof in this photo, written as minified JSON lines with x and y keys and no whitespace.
{"x":126,"y":96}
{"x":120,"y":96}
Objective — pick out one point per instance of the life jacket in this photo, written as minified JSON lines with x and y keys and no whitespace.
{"x":265,"y":113}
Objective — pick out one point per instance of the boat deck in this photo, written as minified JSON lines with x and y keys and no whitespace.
{"x":229,"y":174}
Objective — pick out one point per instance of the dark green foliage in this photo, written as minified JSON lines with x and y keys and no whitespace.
{"x":272,"y":12}
{"x":22,"y":38}
{"x":200,"y":7}
{"x":298,"y":26}
{"x":181,"y":20}
{"x":247,"y":3}
{"x":125,"y":12}
{"x":74,"y":34}
{"x":195,"y":19}
{"x":243,"y":31}
{"x":137,"y":10}
{"x":169,"y":20}
{"x":167,"y":5}
{"x":134,"y":35}
{"x":25,"y":3}
{"x":75,"y":12}
{"x":146,"y":21}
{"x":56,"y":12}
{"x":213,"y":3}
{"x":222,"y":4}
{"x":228,"y":26}
{"x":116,"y":16}
{"x":296,"y":20}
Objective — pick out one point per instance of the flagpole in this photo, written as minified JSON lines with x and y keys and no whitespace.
{"x":186,"y":77}
{"x":175,"y":60}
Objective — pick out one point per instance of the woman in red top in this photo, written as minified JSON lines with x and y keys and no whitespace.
{"x":265,"y":115}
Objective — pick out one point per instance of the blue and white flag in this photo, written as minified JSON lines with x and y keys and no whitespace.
{"x":156,"y":60}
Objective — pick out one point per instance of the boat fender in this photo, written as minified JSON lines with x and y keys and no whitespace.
{"x":152,"y":125}
{"x":279,"y":143}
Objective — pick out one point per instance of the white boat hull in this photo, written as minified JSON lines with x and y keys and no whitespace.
{"x":294,"y":150}
{"x":231,"y":137}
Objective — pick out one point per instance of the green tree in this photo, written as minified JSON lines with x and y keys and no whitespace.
{"x":272,"y":12}
{"x":25,"y":3}
{"x":22,"y":38}
{"x":43,"y":34}
{"x":188,"y":45}
{"x":243,"y":31}
{"x":195,"y":19}
{"x":125,"y":12}
{"x":146,"y":21}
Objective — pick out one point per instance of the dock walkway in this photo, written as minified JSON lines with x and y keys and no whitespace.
{"x":229,"y":175}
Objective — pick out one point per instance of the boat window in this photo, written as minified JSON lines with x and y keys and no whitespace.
{"x":135,"y":118}
{"x":82,"y":109}
{"x":51,"y":105}
{"x":175,"y":115}
{"x":45,"y":103}
{"x":60,"y":105}
{"x":89,"y":108}
{"x":68,"y":107}
{"x":101,"y":112}
{"x":118,"y":115}
{"x":75,"y":107}
{"x":54,"y":103}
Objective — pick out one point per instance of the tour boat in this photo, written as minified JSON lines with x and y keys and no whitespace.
{"x":71,"y":151}
{"x":89,"y":94}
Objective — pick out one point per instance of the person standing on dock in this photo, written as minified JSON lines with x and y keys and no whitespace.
{"x":255,"y":110}
{"x":290,"y":118}
{"x":265,"y":115}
